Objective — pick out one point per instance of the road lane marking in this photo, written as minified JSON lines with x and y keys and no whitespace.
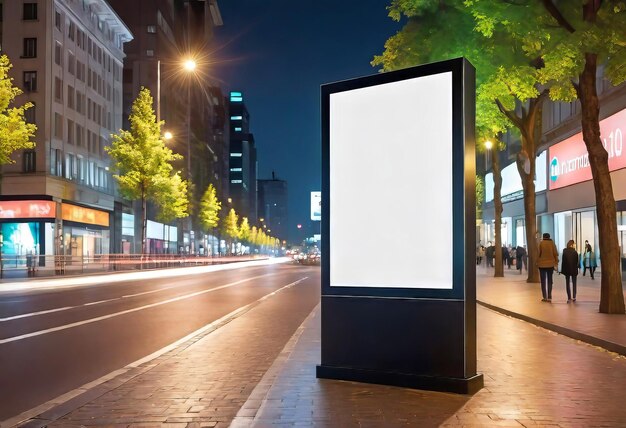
{"x":127,"y":311}
{"x":32,"y":314}
{"x":135,"y":366}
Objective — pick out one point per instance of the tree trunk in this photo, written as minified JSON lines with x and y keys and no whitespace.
{"x":144,"y":221}
{"x":497,"y":204}
{"x":530,"y":218}
{"x":611,"y":293}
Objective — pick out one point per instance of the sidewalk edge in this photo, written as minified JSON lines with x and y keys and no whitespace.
{"x":572,"y":334}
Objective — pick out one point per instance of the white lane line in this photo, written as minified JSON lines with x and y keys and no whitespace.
{"x":62,"y":399}
{"x":32,"y":314}
{"x":127,"y":311}
{"x":65,"y":308}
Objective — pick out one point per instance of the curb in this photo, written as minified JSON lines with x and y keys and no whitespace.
{"x":572,"y":334}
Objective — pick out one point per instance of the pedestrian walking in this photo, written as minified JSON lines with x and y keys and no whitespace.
{"x":548,"y":262}
{"x":480,"y":253}
{"x":589,"y":260}
{"x":520,"y":253}
{"x":569,"y":268}
{"x":490,"y":254}
{"x":506,"y":257}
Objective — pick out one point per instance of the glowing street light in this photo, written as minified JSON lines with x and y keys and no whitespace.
{"x":488,"y":145}
{"x":168,"y":135}
{"x":190,"y":65}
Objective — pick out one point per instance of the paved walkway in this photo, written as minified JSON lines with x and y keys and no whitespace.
{"x":533,"y":377}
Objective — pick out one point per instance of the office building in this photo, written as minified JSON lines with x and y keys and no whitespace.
{"x":272,"y":207}
{"x":67,"y":58}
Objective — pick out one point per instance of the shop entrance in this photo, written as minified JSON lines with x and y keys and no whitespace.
{"x":586,"y":230}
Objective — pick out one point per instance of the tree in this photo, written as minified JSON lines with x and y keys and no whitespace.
{"x":230,"y":226}
{"x":253,"y":238}
{"x":15,"y":133}
{"x":143,"y":165}
{"x":572,"y":39}
{"x":244,"y":230}
{"x":210,"y":208}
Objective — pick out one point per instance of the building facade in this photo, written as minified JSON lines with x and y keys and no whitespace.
{"x":59,"y":198}
{"x":169,"y":32}
{"x":565,"y":200}
{"x":273,"y":212}
{"x":243,"y":160}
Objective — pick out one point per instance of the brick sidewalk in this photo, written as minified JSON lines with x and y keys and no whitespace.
{"x":533,"y":377}
{"x":581,"y":320}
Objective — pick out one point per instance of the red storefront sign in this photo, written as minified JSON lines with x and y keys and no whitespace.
{"x":27,"y":209}
{"x":569,"y":160}
{"x":84,"y":215}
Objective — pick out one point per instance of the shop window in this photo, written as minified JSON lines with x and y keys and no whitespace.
{"x":29,"y":161}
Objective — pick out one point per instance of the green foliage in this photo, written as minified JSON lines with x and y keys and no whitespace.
{"x":15,"y":133}
{"x":253,"y":235}
{"x":143,"y":164}
{"x":210,"y":207}
{"x":480,"y":192}
{"x":244,"y":229}
{"x":230,"y":224}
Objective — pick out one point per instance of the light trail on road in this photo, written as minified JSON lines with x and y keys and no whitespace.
{"x":128,"y":311}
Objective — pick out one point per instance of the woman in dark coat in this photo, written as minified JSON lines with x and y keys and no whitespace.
{"x":569,"y":268}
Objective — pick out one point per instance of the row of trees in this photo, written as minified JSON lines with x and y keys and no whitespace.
{"x":143,"y":167}
{"x":524,"y":52}
{"x":230,"y":225}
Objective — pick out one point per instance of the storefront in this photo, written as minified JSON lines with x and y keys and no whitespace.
{"x":26,"y":228}
{"x":513,"y":228}
{"x":86,"y":231}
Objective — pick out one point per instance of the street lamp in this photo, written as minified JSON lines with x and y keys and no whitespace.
{"x":488,"y":146}
{"x":190,"y":66}
{"x":168,"y":135}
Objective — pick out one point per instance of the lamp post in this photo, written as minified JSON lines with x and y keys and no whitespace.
{"x":190,"y":66}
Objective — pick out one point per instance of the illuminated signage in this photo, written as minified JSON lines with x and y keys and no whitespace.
{"x":84,"y":215}
{"x":376,"y":134}
{"x":512,"y":183}
{"x":569,"y":160}
{"x":316,"y":206}
{"x":27,"y":209}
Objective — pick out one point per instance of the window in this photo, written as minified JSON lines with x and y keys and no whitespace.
{"x":235,"y":155}
{"x":237,"y":129}
{"x":80,"y":39}
{"x":151,"y":29}
{"x":58,"y":89}
{"x":71,"y":30}
{"x":149,"y":52}
{"x":80,"y":166}
{"x":70,"y":167}
{"x":29,"y":114}
{"x":30,"y":12}
{"x":58,"y":126}
{"x":57,"y":53}
{"x":70,"y":131}
{"x":29,"y":161}
{"x":71,"y":62}
{"x":236,"y":169}
{"x":57,"y":20}
{"x":30,"y":47}
{"x":236,"y":118}
{"x":56,"y":162}
{"x":30,"y":81}
{"x":80,"y":103}
{"x":70,"y":97}
{"x":79,"y":135}
{"x":236,"y":181}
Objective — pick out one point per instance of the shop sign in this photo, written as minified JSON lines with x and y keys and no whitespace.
{"x":84,"y":215}
{"x":27,"y":209}
{"x":569,"y":160}
{"x":316,"y":206}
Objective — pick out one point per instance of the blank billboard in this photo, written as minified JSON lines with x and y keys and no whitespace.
{"x":390,"y":184}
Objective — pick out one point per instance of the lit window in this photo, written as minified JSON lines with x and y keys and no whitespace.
{"x":151,"y":29}
{"x":235,"y":155}
{"x":237,"y":129}
{"x":236,"y":181}
{"x":236,"y":117}
{"x":236,"y":169}
{"x":236,"y":97}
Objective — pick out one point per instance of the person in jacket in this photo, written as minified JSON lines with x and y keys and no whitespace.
{"x":547,"y":262}
{"x":520,"y":253}
{"x":589,"y":260}
{"x":569,"y":268}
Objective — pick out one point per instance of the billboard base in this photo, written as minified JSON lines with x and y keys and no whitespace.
{"x":470,"y":385}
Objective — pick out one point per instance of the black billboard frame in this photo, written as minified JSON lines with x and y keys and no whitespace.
{"x":356,"y":345}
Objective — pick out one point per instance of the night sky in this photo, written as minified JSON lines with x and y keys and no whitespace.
{"x":278,"y":53}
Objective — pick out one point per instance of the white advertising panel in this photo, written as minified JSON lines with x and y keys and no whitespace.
{"x":390,"y":151}
{"x":316,"y":206}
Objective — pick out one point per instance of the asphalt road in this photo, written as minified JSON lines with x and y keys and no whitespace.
{"x":53,"y":341}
